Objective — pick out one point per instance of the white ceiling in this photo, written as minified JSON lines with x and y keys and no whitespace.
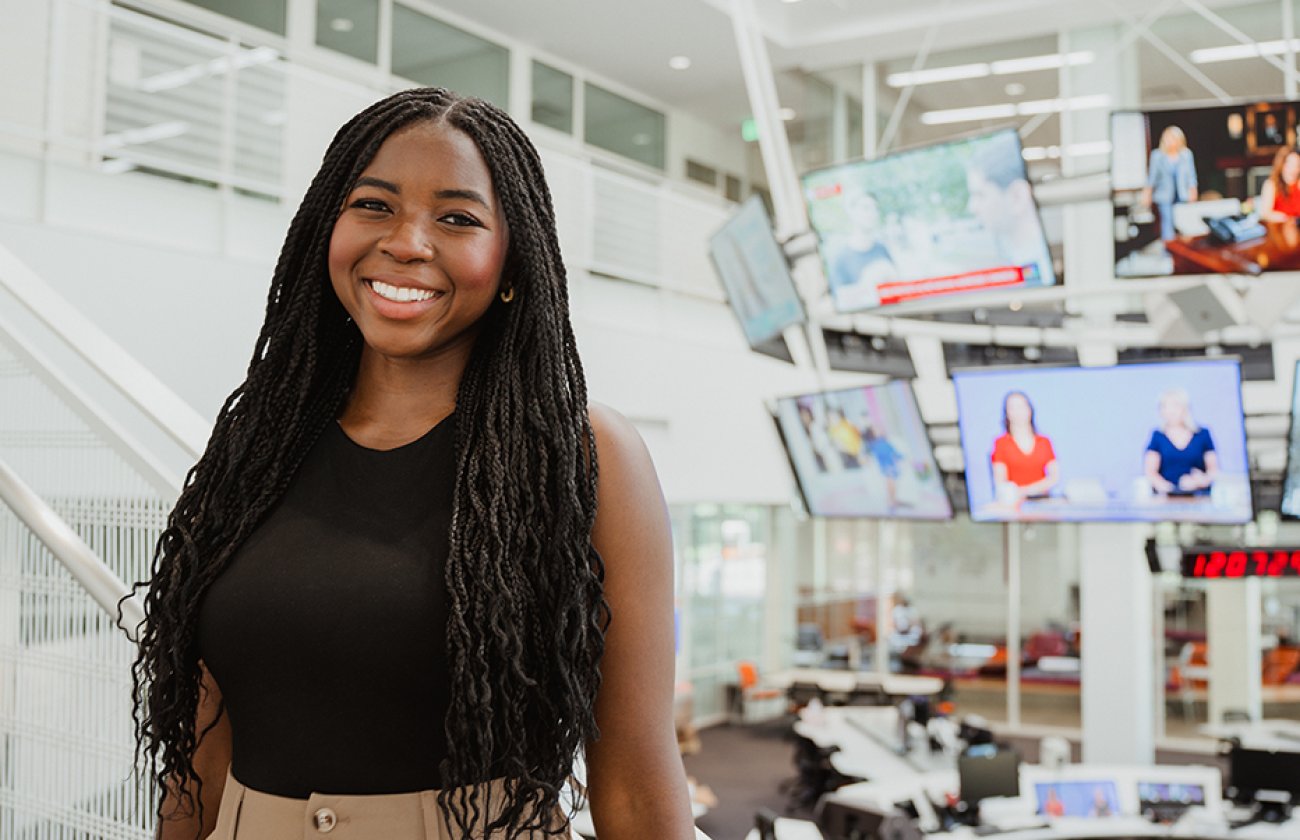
{"x":630,"y":41}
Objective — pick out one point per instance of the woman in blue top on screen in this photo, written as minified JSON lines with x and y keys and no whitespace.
{"x":1180,"y":459}
{"x":864,"y":260}
{"x":888,"y":459}
{"x":1171,"y":178}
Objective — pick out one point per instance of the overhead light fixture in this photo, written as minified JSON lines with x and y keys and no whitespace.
{"x":1074,"y":150}
{"x":791,"y":1}
{"x":979,"y":70}
{"x":935,"y":75}
{"x":1042,"y":62}
{"x":116,"y":166}
{"x":1237,"y":52}
{"x":341,"y":24}
{"x":1007,"y":110}
{"x":679,"y":62}
{"x":786,"y":114}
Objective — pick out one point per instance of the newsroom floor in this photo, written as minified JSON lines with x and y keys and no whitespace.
{"x":744,"y":766}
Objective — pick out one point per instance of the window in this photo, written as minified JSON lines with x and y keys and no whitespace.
{"x":552,"y":98}
{"x":430,"y":52}
{"x":700,"y":173}
{"x":623,"y":127}
{"x":264,"y":14}
{"x":350,"y":27}
{"x":732,"y":188}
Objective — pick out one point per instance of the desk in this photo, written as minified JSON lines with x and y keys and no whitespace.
{"x":1279,"y":250}
{"x":847,"y":682}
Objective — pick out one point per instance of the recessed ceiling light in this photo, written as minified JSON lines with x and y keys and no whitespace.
{"x":341,"y":25}
{"x":791,"y":1}
{"x":1015,"y":89}
{"x":786,"y":114}
{"x":679,"y":62}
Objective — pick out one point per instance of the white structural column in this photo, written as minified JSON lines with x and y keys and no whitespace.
{"x":1011,"y":554}
{"x":773,"y":143}
{"x":1232,"y":647}
{"x":1115,"y":611}
{"x":886,"y":540}
{"x":1088,"y":225}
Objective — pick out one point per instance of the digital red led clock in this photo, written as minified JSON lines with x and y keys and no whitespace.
{"x":1232,"y":563}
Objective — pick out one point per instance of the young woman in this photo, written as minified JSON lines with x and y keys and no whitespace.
{"x":1024,"y":462}
{"x":414,"y":573}
{"x":1279,"y":198}
{"x":1171,"y":178}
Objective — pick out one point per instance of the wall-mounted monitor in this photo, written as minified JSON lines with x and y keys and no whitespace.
{"x":755,"y":274}
{"x":1142,"y":442}
{"x":1291,"y":480}
{"x":1074,"y":798}
{"x":863,"y":452}
{"x":1206,"y":190}
{"x":955,"y":217}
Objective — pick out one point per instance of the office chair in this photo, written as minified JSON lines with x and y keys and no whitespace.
{"x":765,"y":824}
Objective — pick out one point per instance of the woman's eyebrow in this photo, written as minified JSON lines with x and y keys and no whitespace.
{"x":467,"y":195}
{"x":369,"y":181}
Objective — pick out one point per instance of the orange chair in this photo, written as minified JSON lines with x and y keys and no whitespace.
{"x":1279,"y":664}
{"x":750,"y":690}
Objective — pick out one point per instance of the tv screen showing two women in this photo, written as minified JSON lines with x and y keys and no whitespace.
{"x":1149,"y":442}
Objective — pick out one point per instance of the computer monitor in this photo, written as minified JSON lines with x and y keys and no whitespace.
{"x":843,"y":821}
{"x":1253,"y":770}
{"x":986,"y":776}
{"x":1077,"y":798}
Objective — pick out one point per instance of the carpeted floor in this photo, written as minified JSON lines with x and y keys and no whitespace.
{"x":745,"y":765}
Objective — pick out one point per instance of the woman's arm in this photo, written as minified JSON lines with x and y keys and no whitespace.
{"x":1268,"y":195}
{"x":1041,"y":487}
{"x":1152,"y":470}
{"x":1201,"y":479}
{"x":635,"y":775}
{"x":180,"y":820}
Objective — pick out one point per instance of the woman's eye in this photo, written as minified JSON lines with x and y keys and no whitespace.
{"x":461,"y":220}
{"x":373,"y":204}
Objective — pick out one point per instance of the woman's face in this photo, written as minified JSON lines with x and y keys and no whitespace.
{"x":417,"y":252}
{"x":1291,"y":168}
{"x":863,"y":213}
{"x":1018,"y":410}
{"x":1172,"y":411}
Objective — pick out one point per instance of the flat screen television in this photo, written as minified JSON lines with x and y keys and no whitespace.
{"x":755,"y":274}
{"x":1291,"y":480}
{"x":937,"y":220}
{"x":863,"y":452}
{"x":1077,"y":798}
{"x":1206,"y":190}
{"x":1141,"y":442}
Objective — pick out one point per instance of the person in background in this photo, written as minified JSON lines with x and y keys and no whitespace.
{"x":845,"y":437}
{"x":864,"y":260}
{"x":1180,"y":457}
{"x":1024,"y":462}
{"x":1171,"y":178}
{"x":1002,"y":200}
{"x":1279,"y":199}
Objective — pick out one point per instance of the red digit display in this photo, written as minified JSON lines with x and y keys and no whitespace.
{"x":1234,"y":563}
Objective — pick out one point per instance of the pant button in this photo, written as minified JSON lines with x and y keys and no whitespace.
{"x":325,"y":819}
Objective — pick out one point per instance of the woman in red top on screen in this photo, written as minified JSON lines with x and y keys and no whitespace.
{"x":1024,"y":462}
{"x":1279,"y":199}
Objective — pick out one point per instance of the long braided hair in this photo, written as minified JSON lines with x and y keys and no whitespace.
{"x":527,"y":613}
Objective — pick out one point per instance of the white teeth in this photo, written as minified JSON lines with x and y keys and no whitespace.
{"x":401,"y":294}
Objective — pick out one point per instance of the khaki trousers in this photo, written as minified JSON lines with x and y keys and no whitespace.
{"x":248,"y":814}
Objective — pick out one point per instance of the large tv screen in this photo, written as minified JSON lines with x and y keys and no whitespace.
{"x":1206,"y":190}
{"x":954,"y":217}
{"x":755,"y":274}
{"x":863,"y":452}
{"x":1149,"y":442}
{"x":1291,"y":481}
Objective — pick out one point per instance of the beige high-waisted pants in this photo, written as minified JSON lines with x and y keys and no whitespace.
{"x":248,"y":814}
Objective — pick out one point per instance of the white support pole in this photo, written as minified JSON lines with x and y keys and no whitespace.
{"x":1288,"y":36}
{"x":1011,"y":555}
{"x":870,"y":110}
{"x":1158,"y":674}
{"x":884,"y":620}
{"x":1233,"y":617}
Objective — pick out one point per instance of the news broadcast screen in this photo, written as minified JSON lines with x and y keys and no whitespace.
{"x":1078,"y":799}
{"x":1141,"y":442}
{"x":755,"y":274}
{"x":1206,"y":190}
{"x":863,"y":452}
{"x":938,"y":220}
{"x":1291,"y":481}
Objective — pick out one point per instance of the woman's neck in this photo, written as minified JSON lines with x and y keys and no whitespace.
{"x":394,"y":401}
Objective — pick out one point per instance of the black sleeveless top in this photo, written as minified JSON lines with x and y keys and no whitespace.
{"x":327,"y":631}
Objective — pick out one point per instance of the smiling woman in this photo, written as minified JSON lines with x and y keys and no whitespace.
{"x":393,"y":599}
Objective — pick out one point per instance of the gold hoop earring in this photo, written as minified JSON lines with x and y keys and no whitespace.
{"x":508,"y":295}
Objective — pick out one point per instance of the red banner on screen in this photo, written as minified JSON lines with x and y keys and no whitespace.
{"x":989,"y":278}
